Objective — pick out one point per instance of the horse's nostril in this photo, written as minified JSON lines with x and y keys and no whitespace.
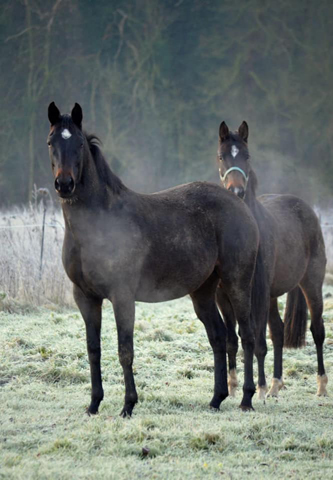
{"x":64,"y":185}
{"x":241,"y":192}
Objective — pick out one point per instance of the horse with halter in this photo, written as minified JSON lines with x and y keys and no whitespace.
{"x":292,"y":251}
{"x":126,"y":247}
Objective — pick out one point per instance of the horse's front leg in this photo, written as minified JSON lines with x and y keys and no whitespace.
{"x":91,"y":310}
{"x":240,"y":300}
{"x":124,"y":311}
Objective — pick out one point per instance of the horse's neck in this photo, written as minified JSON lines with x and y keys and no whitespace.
{"x":251,"y":195}
{"x":259,"y":212}
{"x":91,"y":197}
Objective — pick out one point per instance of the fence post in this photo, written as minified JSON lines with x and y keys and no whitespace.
{"x":43,"y":192}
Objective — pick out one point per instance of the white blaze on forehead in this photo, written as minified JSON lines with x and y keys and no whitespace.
{"x":66,"y":134}
{"x":234,"y":150}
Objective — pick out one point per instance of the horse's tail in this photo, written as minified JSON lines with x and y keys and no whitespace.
{"x":295,"y":319}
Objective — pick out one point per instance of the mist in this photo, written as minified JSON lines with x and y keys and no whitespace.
{"x":156,"y":78}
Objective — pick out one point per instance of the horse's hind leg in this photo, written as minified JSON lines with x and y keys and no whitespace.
{"x":206,"y":310}
{"x":277,"y":336}
{"x":232,"y":339}
{"x":124,"y":311}
{"x":313,"y":294}
{"x":91,"y":310}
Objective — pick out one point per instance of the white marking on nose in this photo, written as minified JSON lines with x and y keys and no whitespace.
{"x":236,"y":190}
{"x":234,"y":150}
{"x":66,"y":134}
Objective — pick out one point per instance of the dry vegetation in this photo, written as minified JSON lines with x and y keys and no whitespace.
{"x":25,"y":284}
{"x":24,"y":281}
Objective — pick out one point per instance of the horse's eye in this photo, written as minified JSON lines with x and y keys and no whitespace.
{"x":49,"y":143}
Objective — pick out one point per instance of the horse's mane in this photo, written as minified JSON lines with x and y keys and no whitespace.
{"x":252,"y":183}
{"x":103,"y":169}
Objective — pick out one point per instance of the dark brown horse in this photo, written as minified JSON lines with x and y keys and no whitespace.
{"x":293,"y":253}
{"x":125,"y":246}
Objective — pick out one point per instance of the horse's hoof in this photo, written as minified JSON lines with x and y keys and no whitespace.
{"x":126,"y":411}
{"x":276,"y":386}
{"x":215,"y":409}
{"x":246,"y":408}
{"x":322,"y":382}
{"x":262,"y":390}
{"x":125,"y":414}
{"x":217,"y":400}
{"x":91,"y":411}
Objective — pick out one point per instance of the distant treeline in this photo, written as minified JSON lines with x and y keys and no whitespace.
{"x":156,"y":77}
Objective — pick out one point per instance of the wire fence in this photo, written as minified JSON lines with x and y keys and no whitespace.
{"x":31,"y":271}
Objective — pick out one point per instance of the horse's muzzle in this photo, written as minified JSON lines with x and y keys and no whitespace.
{"x":239,"y":191}
{"x":64,"y":185}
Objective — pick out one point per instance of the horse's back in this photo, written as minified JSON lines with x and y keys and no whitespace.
{"x":193,"y":229}
{"x":294,"y":217}
{"x":298,"y":239}
{"x":218,"y":212}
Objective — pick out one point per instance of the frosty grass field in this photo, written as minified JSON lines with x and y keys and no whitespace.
{"x":45,"y":388}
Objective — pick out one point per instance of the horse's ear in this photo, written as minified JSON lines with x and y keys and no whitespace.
{"x":77,"y":115}
{"x":223,"y":132}
{"x":243,"y":131}
{"x":53,"y":113}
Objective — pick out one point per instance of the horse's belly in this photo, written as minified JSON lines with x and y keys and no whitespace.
{"x":289,"y":270}
{"x":153,"y":295}
{"x":152,"y":278}
{"x":176,"y":282}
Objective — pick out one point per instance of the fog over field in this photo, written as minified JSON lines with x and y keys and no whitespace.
{"x":155,"y":79}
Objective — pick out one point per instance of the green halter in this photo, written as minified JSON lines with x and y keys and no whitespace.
{"x":223,"y":178}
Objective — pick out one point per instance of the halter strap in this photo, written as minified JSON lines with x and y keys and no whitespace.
{"x":223,"y":178}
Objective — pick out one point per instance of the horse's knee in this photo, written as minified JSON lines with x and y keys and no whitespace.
{"x":278,"y":340}
{"x":318,"y":332}
{"x":247,"y":336}
{"x":94,"y":352}
{"x":126,"y":357}
{"x":276,"y":332}
{"x":260,"y":350}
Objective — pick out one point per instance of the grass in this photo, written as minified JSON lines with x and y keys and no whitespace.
{"x":45,"y":388}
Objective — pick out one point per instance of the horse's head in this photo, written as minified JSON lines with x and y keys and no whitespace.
{"x":233,"y":158}
{"x":66,"y":147}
